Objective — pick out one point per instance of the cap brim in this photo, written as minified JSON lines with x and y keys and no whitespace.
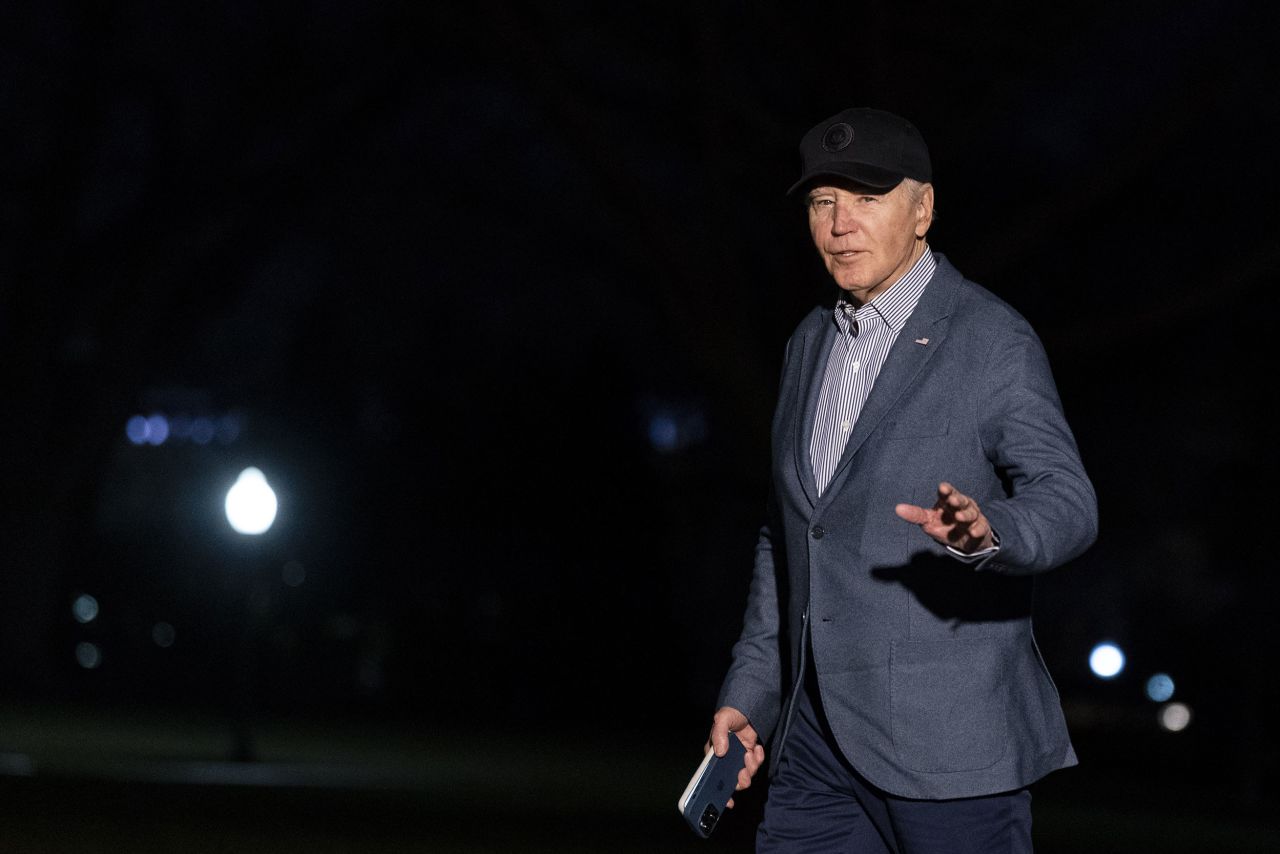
{"x":860,"y":173}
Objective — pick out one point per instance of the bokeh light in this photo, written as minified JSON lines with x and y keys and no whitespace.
{"x":1175,"y":717}
{"x":251,"y":503}
{"x":136,"y":430}
{"x":180,"y":427}
{"x":1160,"y":687}
{"x":84,"y":608}
{"x":202,"y":430}
{"x":88,"y":655}
{"x":163,"y":634}
{"x":1106,"y":661}
{"x":157,"y":429}
{"x":227,"y":429}
{"x":664,"y":434}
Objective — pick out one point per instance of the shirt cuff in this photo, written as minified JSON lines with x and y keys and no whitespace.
{"x":977,"y":557}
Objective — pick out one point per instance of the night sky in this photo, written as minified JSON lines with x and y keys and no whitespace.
{"x":496,"y":296}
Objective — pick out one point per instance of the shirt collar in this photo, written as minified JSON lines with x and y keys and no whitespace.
{"x":894,"y":305}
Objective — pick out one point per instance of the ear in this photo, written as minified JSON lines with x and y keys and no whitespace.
{"x":924,"y":210}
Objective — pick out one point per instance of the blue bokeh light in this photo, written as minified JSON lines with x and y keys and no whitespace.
{"x":136,"y":430}
{"x":228,"y":429}
{"x":202,"y":431}
{"x":1160,"y":687}
{"x":157,"y":429}
{"x":664,"y":434}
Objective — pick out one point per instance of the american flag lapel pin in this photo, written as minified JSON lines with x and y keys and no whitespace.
{"x":922,"y":340}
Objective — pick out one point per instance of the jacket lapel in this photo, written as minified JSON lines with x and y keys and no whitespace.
{"x":901,"y":367}
{"x":817,"y":345}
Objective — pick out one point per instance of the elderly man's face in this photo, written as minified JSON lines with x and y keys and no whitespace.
{"x":869,"y":238}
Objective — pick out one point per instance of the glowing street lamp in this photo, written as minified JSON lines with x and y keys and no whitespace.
{"x":251,"y":503}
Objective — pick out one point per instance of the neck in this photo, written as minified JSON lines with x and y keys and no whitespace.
{"x":917,"y":250}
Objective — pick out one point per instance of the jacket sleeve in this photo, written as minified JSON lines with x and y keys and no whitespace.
{"x":753,"y":685}
{"x":1050,"y":513}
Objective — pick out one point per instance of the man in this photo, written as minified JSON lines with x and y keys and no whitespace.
{"x":923,"y":472}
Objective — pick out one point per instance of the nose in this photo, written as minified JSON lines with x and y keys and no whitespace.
{"x":843,"y":220}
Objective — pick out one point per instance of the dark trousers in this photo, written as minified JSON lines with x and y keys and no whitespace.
{"x":818,"y":804}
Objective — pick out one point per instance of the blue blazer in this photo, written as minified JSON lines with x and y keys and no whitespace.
{"x":927,"y":668}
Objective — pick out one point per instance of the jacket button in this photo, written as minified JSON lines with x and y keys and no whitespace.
{"x":817,"y":531}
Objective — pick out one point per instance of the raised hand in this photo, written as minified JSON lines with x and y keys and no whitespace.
{"x":954,"y":520}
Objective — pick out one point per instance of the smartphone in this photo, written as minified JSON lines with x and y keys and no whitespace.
{"x":711,"y":787}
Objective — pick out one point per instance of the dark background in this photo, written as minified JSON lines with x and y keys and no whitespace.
{"x":495,"y":294}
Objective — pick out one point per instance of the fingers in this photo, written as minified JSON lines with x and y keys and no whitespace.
{"x":913,"y":514}
{"x":956,"y":507}
{"x":753,"y":761}
{"x":964,"y":525}
{"x":952,"y":505}
{"x":954,"y":520}
{"x":980,"y":528}
{"x":950,"y":499}
{"x":725,"y":721}
{"x":719,"y":739}
{"x":729,"y":722}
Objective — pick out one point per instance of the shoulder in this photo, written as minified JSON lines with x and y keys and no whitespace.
{"x":813,"y":323}
{"x":988,"y":334}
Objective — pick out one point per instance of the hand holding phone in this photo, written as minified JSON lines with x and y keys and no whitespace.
{"x":711,"y":790}
{"x":711,"y":787}
{"x":727,"y":721}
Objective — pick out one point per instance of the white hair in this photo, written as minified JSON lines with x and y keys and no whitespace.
{"x":915,"y":190}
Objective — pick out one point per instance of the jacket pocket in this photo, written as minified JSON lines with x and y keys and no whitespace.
{"x":948,"y":704}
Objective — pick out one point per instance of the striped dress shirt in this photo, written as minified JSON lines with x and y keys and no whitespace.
{"x":864,"y":336}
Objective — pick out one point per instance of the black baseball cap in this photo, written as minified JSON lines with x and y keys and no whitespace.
{"x":871,"y":147}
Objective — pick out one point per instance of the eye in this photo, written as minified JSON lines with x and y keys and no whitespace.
{"x":822,"y":203}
